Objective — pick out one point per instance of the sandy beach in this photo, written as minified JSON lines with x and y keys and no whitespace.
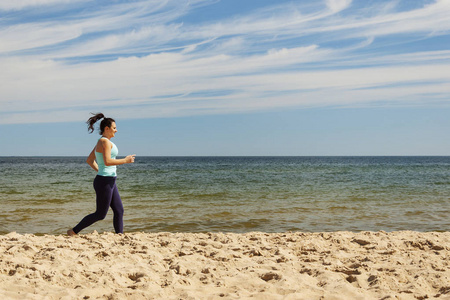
{"x":294,"y":265}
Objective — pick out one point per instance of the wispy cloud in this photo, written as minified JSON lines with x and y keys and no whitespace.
{"x":152,"y":59}
{"x":338,"y":5}
{"x":14,"y":5}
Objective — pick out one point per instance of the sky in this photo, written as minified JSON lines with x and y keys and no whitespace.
{"x":226,"y":77}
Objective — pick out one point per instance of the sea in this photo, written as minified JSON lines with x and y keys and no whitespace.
{"x":48,"y":195}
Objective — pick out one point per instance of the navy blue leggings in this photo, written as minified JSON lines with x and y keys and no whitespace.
{"x":107,"y":195}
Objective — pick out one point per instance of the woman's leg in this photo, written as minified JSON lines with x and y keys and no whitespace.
{"x":117,"y":207}
{"x":104,"y":187}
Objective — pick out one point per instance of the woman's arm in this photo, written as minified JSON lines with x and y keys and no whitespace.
{"x":106,"y":145}
{"x":91,"y":160}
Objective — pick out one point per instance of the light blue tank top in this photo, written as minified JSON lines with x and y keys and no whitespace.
{"x":103,"y":170}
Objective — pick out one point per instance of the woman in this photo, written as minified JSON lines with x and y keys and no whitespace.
{"x":103,"y":160}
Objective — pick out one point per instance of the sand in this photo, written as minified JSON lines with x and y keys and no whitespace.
{"x":337,"y":265}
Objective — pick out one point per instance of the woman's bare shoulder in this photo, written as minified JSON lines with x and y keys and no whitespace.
{"x":103,"y":144}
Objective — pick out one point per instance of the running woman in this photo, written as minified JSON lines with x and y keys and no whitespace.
{"x":103,"y":160}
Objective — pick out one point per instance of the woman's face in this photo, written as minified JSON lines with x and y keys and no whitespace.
{"x":111,"y":131}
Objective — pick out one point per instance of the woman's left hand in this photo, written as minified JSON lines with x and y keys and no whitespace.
{"x":130,"y":158}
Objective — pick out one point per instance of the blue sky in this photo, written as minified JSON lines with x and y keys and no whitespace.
{"x":211,"y":77}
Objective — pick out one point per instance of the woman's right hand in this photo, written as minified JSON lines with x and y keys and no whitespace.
{"x":130,"y":159}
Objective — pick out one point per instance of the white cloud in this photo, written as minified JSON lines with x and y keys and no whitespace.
{"x":142,"y":81}
{"x":269,"y":58}
{"x":22,"y":4}
{"x":431,"y":18}
{"x":28,"y":36}
{"x":338,"y":5}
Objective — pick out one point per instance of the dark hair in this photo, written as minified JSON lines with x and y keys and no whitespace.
{"x":106,"y":122}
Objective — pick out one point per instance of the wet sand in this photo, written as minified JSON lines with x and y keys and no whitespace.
{"x":257,"y":265}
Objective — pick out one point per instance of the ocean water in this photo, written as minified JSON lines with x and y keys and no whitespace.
{"x":48,"y":195}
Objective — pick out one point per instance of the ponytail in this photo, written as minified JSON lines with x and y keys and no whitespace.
{"x":106,"y":122}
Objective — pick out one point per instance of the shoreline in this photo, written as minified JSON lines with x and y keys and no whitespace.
{"x":257,"y":265}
